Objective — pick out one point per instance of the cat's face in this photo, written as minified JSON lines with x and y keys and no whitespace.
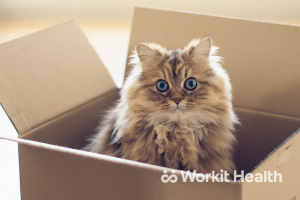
{"x":176,"y":84}
{"x":179,"y":81}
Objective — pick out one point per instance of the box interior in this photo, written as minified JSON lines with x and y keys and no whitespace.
{"x":258,"y":135}
{"x":73,"y":128}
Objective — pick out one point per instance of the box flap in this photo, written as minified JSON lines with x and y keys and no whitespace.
{"x":262,"y":59}
{"x":48,"y":73}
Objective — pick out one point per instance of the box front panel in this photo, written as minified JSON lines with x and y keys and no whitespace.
{"x":54,"y":174}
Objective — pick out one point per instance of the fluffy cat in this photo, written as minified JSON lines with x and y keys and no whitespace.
{"x":175,"y":110}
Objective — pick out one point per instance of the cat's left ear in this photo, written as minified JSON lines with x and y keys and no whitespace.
{"x":148,"y":56}
{"x":200,"y":50}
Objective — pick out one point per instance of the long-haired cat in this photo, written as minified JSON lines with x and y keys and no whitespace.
{"x":175,"y":110}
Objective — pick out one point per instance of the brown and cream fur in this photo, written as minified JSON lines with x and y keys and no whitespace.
{"x":146,"y":125}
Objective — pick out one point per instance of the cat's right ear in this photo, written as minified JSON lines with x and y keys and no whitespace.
{"x":199,"y":50}
{"x":147,"y":56}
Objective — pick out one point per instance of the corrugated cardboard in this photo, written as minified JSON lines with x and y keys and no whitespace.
{"x":46,"y":74}
{"x":261,"y":58}
{"x":54,"y":88}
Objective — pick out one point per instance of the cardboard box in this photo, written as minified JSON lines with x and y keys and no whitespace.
{"x":53,"y":87}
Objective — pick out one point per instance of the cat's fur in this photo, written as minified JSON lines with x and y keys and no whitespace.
{"x":148,"y":126}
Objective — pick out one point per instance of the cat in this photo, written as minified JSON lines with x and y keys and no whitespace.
{"x":174,"y":110}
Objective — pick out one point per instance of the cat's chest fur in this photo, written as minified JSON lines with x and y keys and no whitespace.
{"x":172,"y":145}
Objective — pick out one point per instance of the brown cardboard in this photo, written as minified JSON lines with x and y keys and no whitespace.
{"x":259,"y":134}
{"x":74,"y":174}
{"x":52,"y":129}
{"x":290,"y":174}
{"x":75,"y":125}
{"x":261,"y":58}
{"x":49,"y":73}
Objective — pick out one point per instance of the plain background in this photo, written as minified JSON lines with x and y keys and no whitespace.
{"x":107,"y":26}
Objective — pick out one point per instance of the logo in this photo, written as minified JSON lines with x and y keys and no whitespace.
{"x":221,"y":176}
{"x":165,"y":178}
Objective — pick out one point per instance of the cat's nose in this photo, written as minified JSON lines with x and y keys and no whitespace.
{"x":177,"y":100}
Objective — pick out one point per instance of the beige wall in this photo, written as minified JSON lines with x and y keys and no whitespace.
{"x":268,"y":10}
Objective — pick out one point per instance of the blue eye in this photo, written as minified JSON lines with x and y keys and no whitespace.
{"x":190,"y":84}
{"x":162,"y":85}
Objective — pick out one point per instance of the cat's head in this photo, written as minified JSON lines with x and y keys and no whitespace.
{"x":178,"y":84}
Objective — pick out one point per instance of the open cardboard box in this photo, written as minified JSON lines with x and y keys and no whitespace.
{"x":54,"y":87}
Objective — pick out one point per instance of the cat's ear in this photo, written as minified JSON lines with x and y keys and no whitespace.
{"x":200,"y":50}
{"x":148,"y":56}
